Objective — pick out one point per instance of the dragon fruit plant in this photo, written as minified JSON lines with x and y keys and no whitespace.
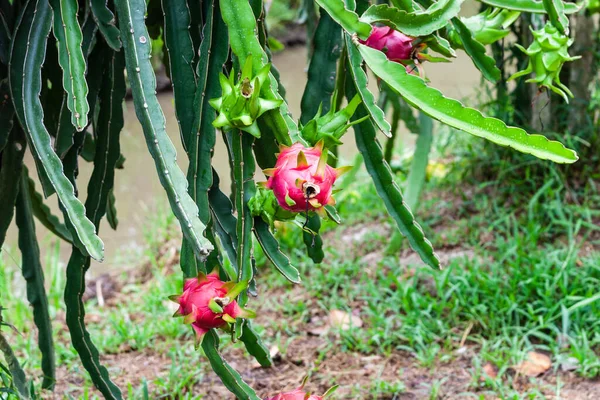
{"x":63,"y":65}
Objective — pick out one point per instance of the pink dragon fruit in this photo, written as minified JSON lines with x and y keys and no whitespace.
{"x":300,"y":394}
{"x":207,"y":302}
{"x":302,"y":180}
{"x":397,"y":46}
{"x":297,"y":394}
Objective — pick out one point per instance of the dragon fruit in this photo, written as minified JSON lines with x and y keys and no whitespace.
{"x":397,"y":46}
{"x":301,"y":179}
{"x":300,"y":394}
{"x":547,"y":55}
{"x":207,"y":302}
{"x":297,"y":394}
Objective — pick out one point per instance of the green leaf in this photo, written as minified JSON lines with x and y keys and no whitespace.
{"x":419,"y":23}
{"x":43,"y":213}
{"x":69,"y":37}
{"x":201,"y":140}
{"x":476,"y":51}
{"x":242,"y":28}
{"x":64,"y":130}
{"x":255,"y":346}
{"x":27,"y":55}
{"x":105,"y":19}
{"x":136,"y":44}
{"x":88,"y":151}
{"x":322,"y":68}
{"x":198,"y":10}
{"x":386,"y":187}
{"x":5,"y":37}
{"x":312,"y":239}
{"x":16,"y":372}
{"x":11,"y":163}
{"x":7,"y":113}
{"x":88,"y":353}
{"x":451,"y":112}
{"x":108,"y":129}
{"x":33,"y":273}
{"x":228,"y":264}
{"x":347,"y":19}
{"x":224,"y":222}
{"x":214,"y":51}
{"x":180,"y":49}
{"x":530,"y":6}
{"x":556,"y":13}
{"x":360,"y":79}
{"x":418,"y":168}
{"x":243,"y":165}
{"x":270,"y":246}
{"x":230,"y":378}
{"x":111,"y":210}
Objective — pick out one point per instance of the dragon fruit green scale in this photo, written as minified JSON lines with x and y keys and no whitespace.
{"x":547,"y":55}
{"x":240,"y":104}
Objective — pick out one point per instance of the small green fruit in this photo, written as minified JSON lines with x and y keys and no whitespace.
{"x":240,"y":104}
{"x":547,"y":55}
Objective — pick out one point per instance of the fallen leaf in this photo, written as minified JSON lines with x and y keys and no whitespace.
{"x":489,"y":371}
{"x":569,"y":364}
{"x":274,"y":352}
{"x":343,"y":320}
{"x":535,"y":364}
{"x":318,"y":331}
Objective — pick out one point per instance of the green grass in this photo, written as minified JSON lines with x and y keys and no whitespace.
{"x":519,"y":291}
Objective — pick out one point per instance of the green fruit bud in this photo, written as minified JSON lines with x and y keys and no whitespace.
{"x":331,"y":127}
{"x":264,"y":204}
{"x":240,"y":105}
{"x":547,"y":55}
{"x":487,"y":27}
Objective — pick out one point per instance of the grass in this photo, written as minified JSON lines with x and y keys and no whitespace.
{"x":519,"y":289}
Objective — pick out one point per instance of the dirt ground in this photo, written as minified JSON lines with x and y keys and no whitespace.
{"x":349,"y":370}
{"x":353,"y":372}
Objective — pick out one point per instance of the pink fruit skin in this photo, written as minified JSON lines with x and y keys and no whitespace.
{"x":195,"y":298}
{"x":288,"y":178}
{"x":396,"y":45}
{"x":297,"y":394}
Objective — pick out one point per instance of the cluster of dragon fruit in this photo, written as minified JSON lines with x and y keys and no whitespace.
{"x":302,"y":181}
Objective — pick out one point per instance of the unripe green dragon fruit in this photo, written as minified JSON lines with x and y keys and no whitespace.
{"x":487,"y":27}
{"x":240,"y":104}
{"x":547,"y":55}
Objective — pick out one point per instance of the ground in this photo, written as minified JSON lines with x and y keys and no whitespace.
{"x":507,"y":294}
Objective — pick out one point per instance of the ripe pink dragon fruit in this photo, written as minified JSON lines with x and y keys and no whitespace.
{"x":207,"y":302}
{"x":297,"y":394}
{"x":302,"y":180}
{"x":397,"y":46}
{"x":300,"y":394}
